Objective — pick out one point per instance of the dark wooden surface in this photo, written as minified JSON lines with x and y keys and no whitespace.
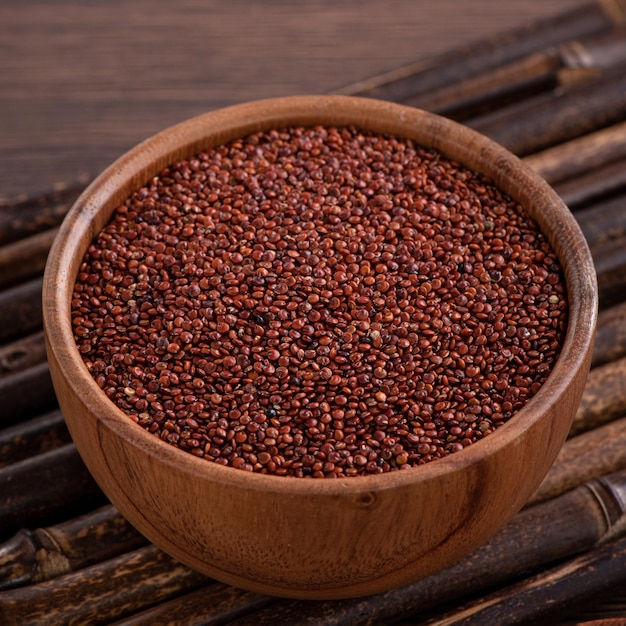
{"x":81,"y":82}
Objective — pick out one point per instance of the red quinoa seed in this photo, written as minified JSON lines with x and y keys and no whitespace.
{"x":320,"y":302}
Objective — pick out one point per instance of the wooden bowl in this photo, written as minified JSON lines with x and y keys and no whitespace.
{"x":317,"y":538}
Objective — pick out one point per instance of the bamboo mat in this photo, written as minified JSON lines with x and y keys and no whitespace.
{"x":554,"y":92}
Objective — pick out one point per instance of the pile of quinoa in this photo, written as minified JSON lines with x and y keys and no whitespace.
{"x":321,"y":302}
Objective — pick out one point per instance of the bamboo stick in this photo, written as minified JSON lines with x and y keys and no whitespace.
{"x":542,"y":71}
{"x":33,"y":215}
{"x":44,"y":489}
{"x":604,"y":398}
{"x":493,"y":89}
{"x":22,"y":354}
{"x":100,"y":593}
{"x":587,"y":516}
{"x":36,"y":436}
{"x":610,"y":341}
{"x":610,"y":263}
{"x":45,"y":553}
{"x":548,"y":594}
{"x":544,"y":122}
{"x":592,"y":454}
{"x":212,"y":605}
{"x":20,"y":310}
{"x":593,"y":186}
{"x":603,"y":222}
{"x":25,"y":258}
{"x":459,"y":65}
{"x":581,"y":155}
{"x":26,"y":393}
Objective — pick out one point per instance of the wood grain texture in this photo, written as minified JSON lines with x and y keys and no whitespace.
{"x":286,"y":536}
{"x":126,"y":584}
{"x":32,"y":556}
{"x":81,"y":84}
{"x":537,"y":599}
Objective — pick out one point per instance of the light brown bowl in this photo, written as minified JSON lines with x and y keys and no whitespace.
{"x":317,"y":538}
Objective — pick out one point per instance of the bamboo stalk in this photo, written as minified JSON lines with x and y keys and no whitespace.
{"x":604,"y":398}
{"x":26,"y":393}
{"x":209,"y":606}
{"x":100,"y":593}
{"x":603,"y":222}
{"x":33,"y":215}
{"x":36,"y":436}
{"x":465,"y":63}
{"x":610,"y":263}
{"x":494,"y":89}
{"x":46,"y":488}
{"x":581,"y":155}
{"x":45,"y":553}
{"x":25,"y":258}
{"x":548,"y":594}
{"x":593,"y":186}
{"x":610,"y":341}
{"x":22,"y":354}
{"x":583,"y":58}
{"x":20,"y":310}
{"x":592,"y":454}
{"x":587,"y":516}
{"x":544,"y":122}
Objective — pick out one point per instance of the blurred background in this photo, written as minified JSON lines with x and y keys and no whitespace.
{"x":81,"y":82}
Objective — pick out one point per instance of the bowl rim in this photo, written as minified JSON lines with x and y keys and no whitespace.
{"x":143,"y":161}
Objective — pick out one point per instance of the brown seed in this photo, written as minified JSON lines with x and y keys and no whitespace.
{"x":384,"y":326}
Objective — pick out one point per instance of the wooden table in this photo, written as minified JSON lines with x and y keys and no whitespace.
{"x":83,"y":82}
